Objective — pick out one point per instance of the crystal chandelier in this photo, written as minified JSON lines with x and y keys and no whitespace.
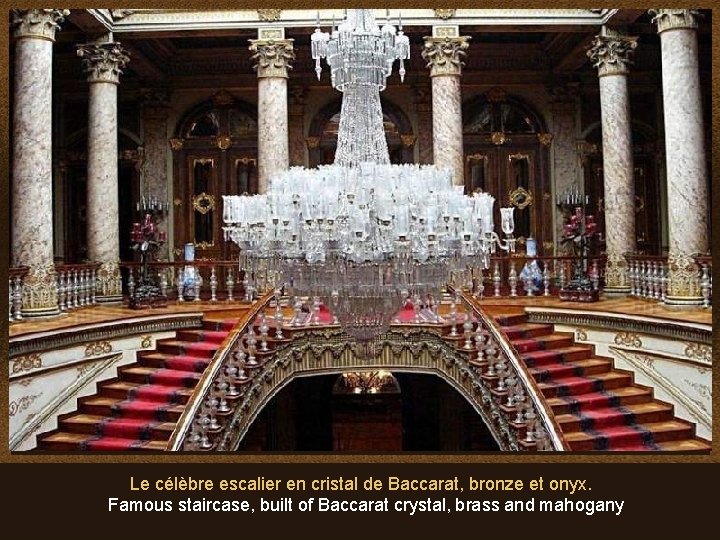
{"x":361,"y":236}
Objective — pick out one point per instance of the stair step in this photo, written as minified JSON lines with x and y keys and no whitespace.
{"x":190,"y":364}
{"x":159,"y":376}
{"x":553,"y":356}
{"x":219,"y":325}
{"x":92,"y":424}
{"x":550,"y":341}
{"x":642,"y":413}
{"x":126,"y":389}
{"x":583,"y":385}
{"x":686,"y":445}
{"x":582,"y":368}
{"x":623,"y":396}
{"x":631,"y":436}
{"x":527,"y":330}
{"x":112,"y":407}
{"x":511,"y":319}
{"x":61,"y":441}
{"x":201,"y":349}
{"x":207,"y":336}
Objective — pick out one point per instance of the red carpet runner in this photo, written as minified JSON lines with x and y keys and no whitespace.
{"x":597,"y":406}
{"x":138,"y":409}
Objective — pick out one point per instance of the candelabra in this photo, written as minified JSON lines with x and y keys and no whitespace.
{"x":579,"y":231}
{"x":146,"y":240}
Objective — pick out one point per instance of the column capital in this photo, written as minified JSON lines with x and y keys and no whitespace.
{"x":670,"y":19}
{"x":38,"y":23}
{"x":103,"y":62}
{"x":444,"y":54}
{"x":272,"y":57}
{"x":610,"y":52}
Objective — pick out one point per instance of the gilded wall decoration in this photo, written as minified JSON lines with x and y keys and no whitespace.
{"x":21,"y":404}
{"x":697,"y":351}
{"x":545,"y":138}
{"x":580,"y":335}
{"x":26,"y":363}
{"x":176,"y":144}
{"x":97,"y":348}
{"x":269,"y":15}
{"x":445,"y":14}
{"x":145,"y":342}
{"x":628,"y":339}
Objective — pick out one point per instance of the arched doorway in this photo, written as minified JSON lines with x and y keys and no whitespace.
{"x":323,"y":133}
{"x":214,"y":154}
{"x":650,"y":202}
{"x":506,"y":154}
{"x":413,"y":412}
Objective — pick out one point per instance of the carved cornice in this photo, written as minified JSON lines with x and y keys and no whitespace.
{"x":622,"y":323}
{"x":24,"y":345}
{"x":269,"y":15}
{"x":671,"y":19}
{"x":610,"y":52}
{"x":444,"y":55}
{"x":38,"y":23}
{"x":445,"y":14}
{"x":272,"y":57}
{"x":103,"y":62}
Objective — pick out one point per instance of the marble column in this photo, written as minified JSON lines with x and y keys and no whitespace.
{"x":272,"y":61}
{"x":32,"y":200}
{"x":610,"y":53}
{"x":154,"y":169}
{"x":685,"y":152}
{"x":444,"y":58}
{"x":103,"y":62}
{"x":423,"y":107}
{"x":296,"y":126}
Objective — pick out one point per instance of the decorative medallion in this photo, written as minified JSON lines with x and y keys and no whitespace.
{"x":697,"y":351}
{"x":312,"y":142}
{"x":498,"y":138}
{"x":445,"y":14}
{"x":545,"y":138}
{"x":204,"y":202}
{"x":521,"y":198}
{"x":176,"y":144}
{"x":145,"y":342}
{"x":580,"y":335}
{"x":628,"y":339}
{"x":223,"y":142}
{"x":177,"y":201}
{"x":97,"y":348}
{"x":408,"y":140}
{"x":26,"y":363}
{"x":269,"y":15}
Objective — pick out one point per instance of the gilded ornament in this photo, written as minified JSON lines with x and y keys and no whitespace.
{"x":616,"y":271}
{"x":545,"y":138}
{"x":444,"y":55}
{"x":697,"y":351}
{"x":145,"y":342}
{"x":223,"y":142}
{"x":684,"y":276}
{"x":21,"y":404}
{"x":408,"y":140}
{"x":521,"y":198}
{"x":269,"y":15}
{"x":26,"y":363}
{"x":312,"y":142}
{"x":176,"y":144}
{"x":103,"y":62}
{"x":628,"y":339}
{"x":498,"y":138}
{"x":272,"y":57}
{"x":445,"y":14}
{"x":611,"y":51}
{"x":203,"y":203}
{"x":580,"y":335}
{"x":97,"y":348}
{"x":177,"y":201}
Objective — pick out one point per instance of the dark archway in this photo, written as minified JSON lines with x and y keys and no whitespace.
{"x":506,"y":147}
{"x":214,"y":154}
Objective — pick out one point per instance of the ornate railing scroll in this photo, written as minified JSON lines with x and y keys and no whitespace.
{"x":513,"y":383}
{"x":210,"y":403}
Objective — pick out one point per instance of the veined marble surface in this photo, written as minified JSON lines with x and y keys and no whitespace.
{"x":618,"y":177}
{"x":273,"y":154}
{"x":447,"y":125}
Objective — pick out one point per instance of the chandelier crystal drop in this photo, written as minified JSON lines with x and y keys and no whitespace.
{"x":361,"y":237}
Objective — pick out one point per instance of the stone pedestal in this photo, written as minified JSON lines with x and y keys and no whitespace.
{"x":444,"y":58}
{"x":685,"y":152}
{"x":610,"y":53}
{"x":272,"y":61}
{"x":32,"y":210}
{"x":103,"y":63}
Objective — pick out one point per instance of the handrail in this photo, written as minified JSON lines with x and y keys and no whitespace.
{"x":551,"y":426}
{"x":198,"y":396}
